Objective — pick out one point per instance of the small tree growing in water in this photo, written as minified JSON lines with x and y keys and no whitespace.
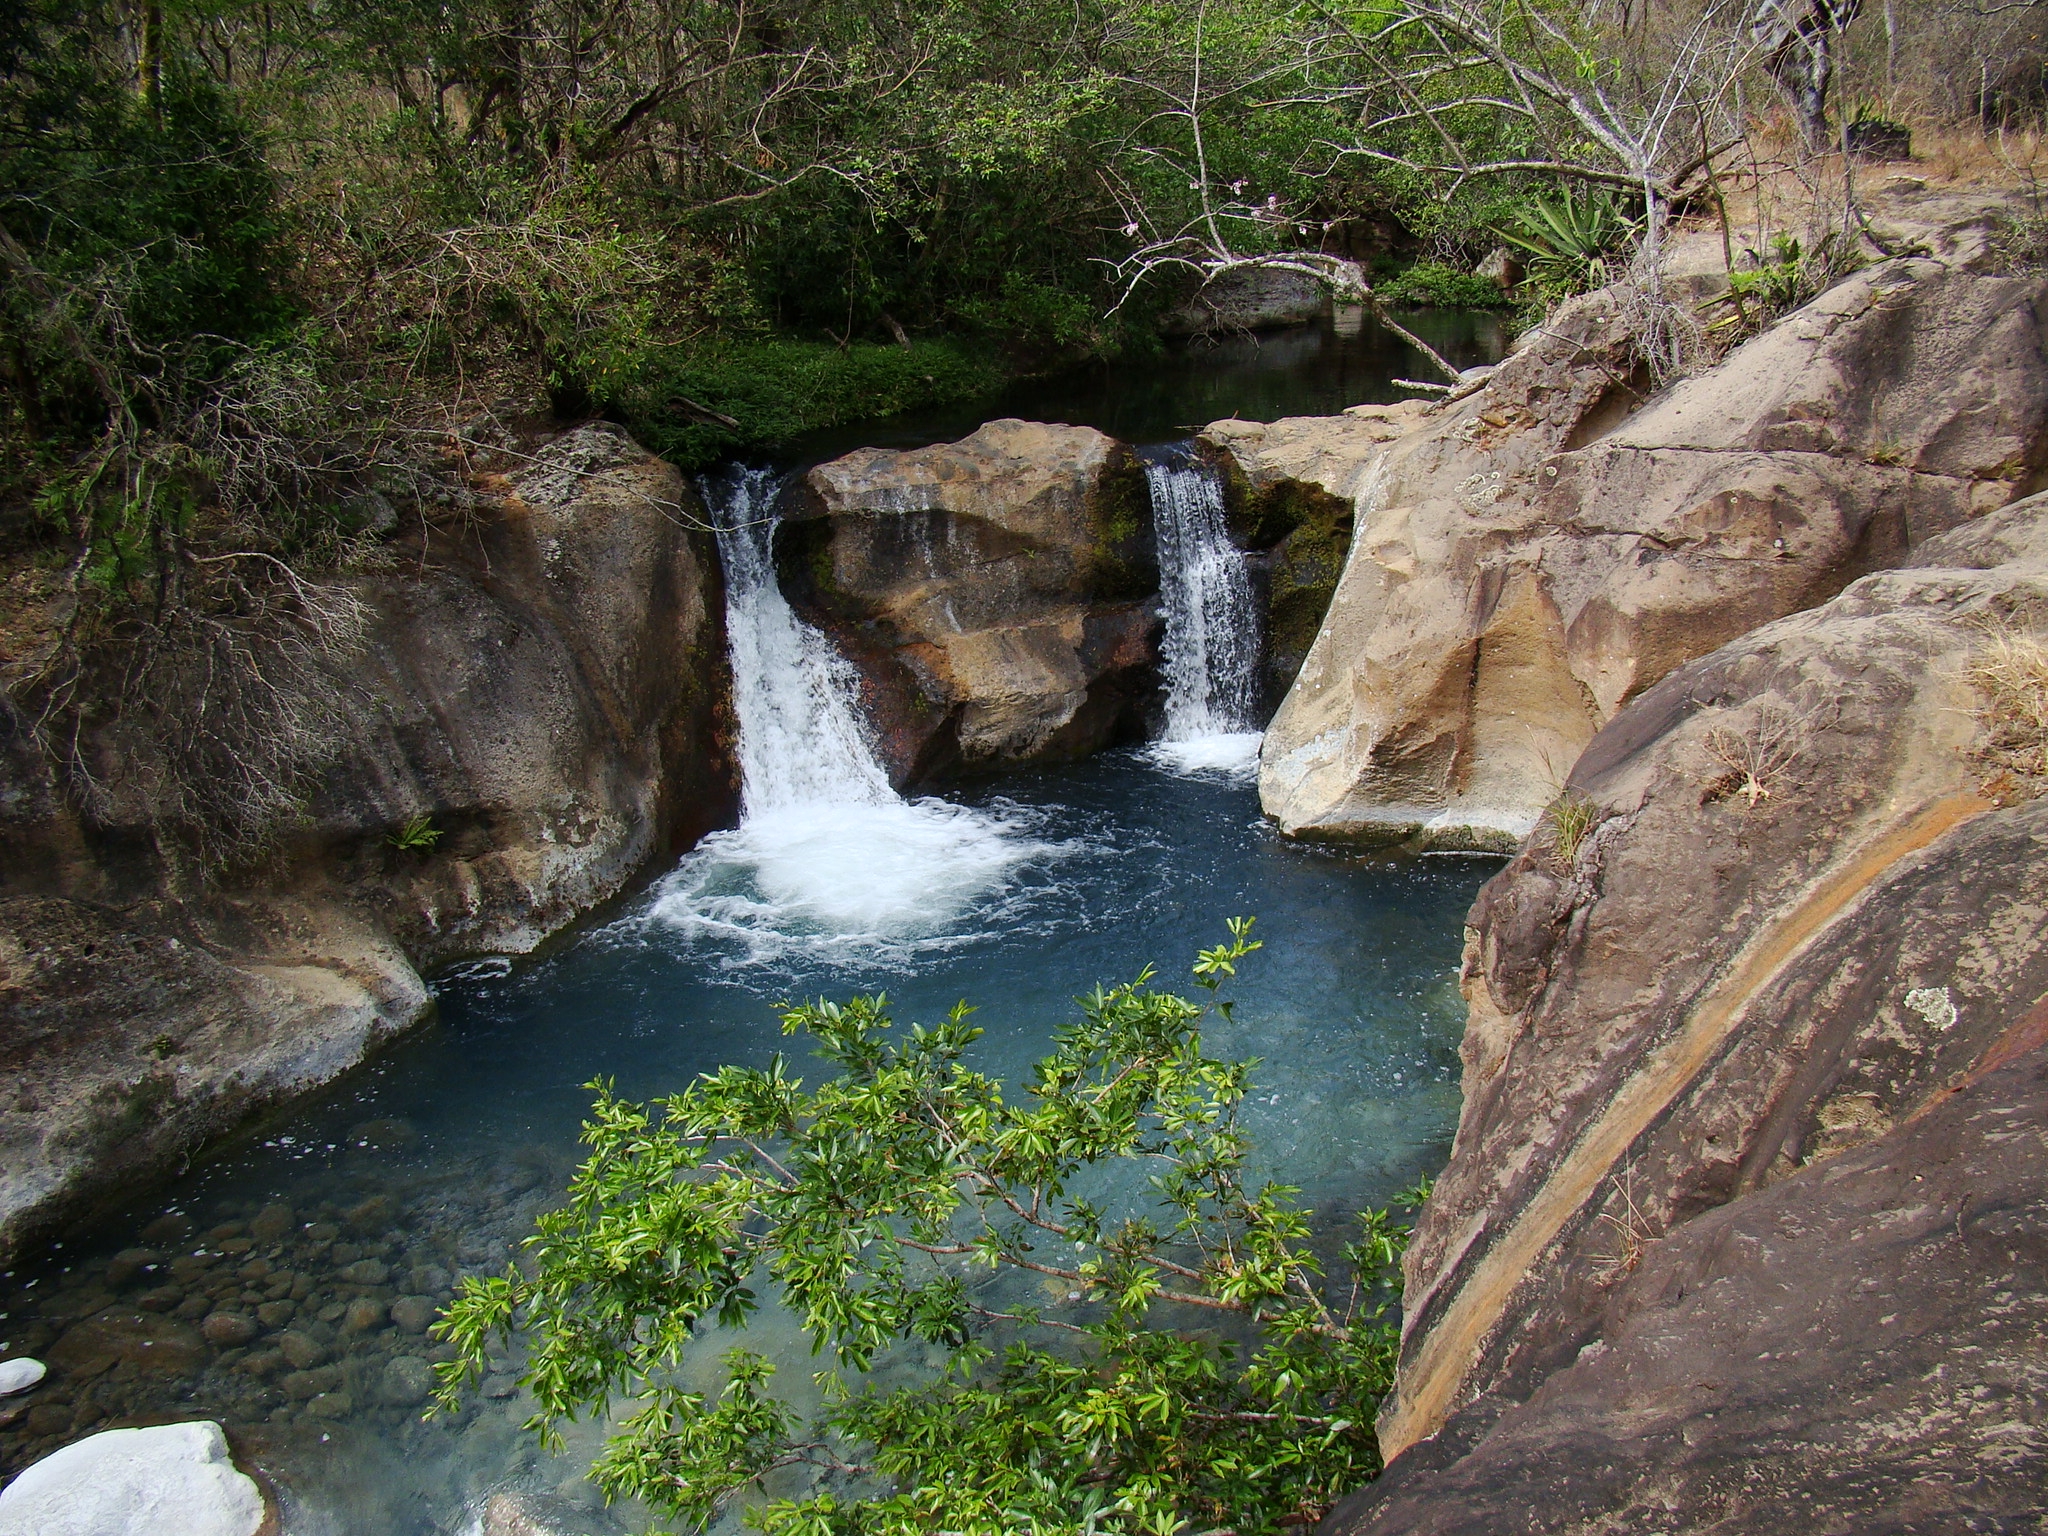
{"x":1198,"y":1371}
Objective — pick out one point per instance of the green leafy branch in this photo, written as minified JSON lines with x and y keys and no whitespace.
{"x":1197,"y":1370}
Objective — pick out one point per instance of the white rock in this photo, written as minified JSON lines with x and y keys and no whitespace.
{"x":20,"y":1374}
{"x":127,"y":1482}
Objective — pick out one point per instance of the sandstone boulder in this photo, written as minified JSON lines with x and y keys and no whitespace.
{"x":1743,"y":1213}
{"x":173,"y":1477}
{"x":1538,"y":552}
{"x":992,"y":592}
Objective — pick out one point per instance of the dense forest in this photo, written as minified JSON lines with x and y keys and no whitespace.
{"x":262,"y":255}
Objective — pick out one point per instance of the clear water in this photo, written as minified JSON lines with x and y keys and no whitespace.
{"x":445,"y":1148}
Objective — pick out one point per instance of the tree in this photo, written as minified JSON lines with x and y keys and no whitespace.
{"x":1200,"y":1370}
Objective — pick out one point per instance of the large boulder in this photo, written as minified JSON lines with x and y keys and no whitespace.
{"x":125,"y":1482}
{"x":993,"y":592}
{"x":1538,"y":552}
{"x":542,"y":680}
{"x":1742,"y":1227}
{"x":1249,"y":299}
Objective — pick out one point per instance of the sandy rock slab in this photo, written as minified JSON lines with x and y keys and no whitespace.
{"x":1528,"y":558}
{"x":172,"y":1478}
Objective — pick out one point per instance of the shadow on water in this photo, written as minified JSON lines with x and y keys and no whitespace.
{"x":1341,"y":360}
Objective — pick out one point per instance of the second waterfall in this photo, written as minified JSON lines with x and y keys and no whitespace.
{"x":1212,"y":622}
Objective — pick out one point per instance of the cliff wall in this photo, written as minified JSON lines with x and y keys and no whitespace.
{"x":1542,"y":549}
{"x":542,"y":676}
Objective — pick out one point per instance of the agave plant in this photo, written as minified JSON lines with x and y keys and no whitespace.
{"x":1566,"y":241}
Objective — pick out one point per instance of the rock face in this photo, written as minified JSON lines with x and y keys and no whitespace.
{"x":174,"y":1477}
{"x":1249,"y":299}
{"x":1535,"y":554}
{"x":1743,"y":1225}
{"x":543,"y":677}
{"x":993,"y":593}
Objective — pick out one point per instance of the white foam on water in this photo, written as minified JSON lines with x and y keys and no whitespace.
{"x":1227,"y":754}
{"x":827,"y":858}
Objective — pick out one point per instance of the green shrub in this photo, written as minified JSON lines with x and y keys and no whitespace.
{"x":776,"y":390}
{"x":1566,"y":241}
{"x":1443,"y":287}
{"x":1117,"y":1183}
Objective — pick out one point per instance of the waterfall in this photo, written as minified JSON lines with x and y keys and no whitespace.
{"x":827,"y":858}
{"x":801,"y":740}
{"x":1212,"y":625}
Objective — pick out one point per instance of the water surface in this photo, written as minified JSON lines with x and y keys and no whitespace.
{"x":432,"y":1162}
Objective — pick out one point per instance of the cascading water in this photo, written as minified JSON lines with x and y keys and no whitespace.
{"x":1212,"y":625}
{"x":827,"y":856}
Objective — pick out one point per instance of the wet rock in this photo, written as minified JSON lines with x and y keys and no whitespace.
{"x":362,"y":1316}
{"x":500,"y":1386}
{"x":275,"y":1314}
{"x":273,"y":1223}
{"x":224,"y":1231}
{"x":344,"y":1254}
{"x":48,"y":1419}
{"x":372,"y":1215}
{"x":302,"y":1386}
{"x":193,"y":1307}
{"x":407,"y":1379}
{"x":131,"y":1264}
{"x":993,"y":592}
{"x":19,"y":1374}
{"x":228,"y":1329}
{"x":301,"y":1349}
{"x":164,"y":1298}
{"x":169,"y":1228}
{"x":263,"y":1362}
{"x":412,"y":1314}
{"x":527,"y":1514}
{"x":332,"y":1405}
{"x":149,"y":1344}
{"x":169,"y":1478}
{"x":332,"y":1312}
{"x":366,"y":1272}
{"x":322,"y":1232}
{"x":429,"y":1280}
{"x":192,"y":1268}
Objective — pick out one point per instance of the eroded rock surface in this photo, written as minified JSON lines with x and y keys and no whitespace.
{"x":1530,"y":557}
{"x":542,"y":680}
{"x":994,"y":592}
{"x":1744,"y":1212}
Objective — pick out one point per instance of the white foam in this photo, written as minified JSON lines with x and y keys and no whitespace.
{"x":1226,"y":754}
{"x":904,"y":870}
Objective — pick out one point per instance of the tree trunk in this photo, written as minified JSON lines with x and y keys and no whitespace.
{"x":149,"y":58}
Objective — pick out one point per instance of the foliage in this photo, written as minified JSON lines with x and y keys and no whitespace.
{"x":1567,"y":241}
{"x":417,"y":835}
{"x":774,"y":390}
{"x":909,"y":1200}
{"x":1432,"y":283}
{"x":1567,"y":823}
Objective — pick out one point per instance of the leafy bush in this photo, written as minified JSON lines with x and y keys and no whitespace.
{"x":1566,"y":240}
{"x":773,"y":390}
{"x":1445,"y":287}
{"x":889,"y":1205}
